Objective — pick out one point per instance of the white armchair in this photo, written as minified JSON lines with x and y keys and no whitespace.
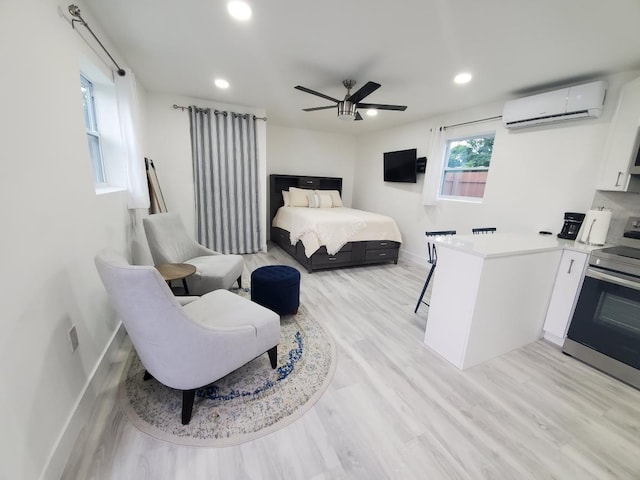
{"x":169,"y":243}
{"x":186,"y":347}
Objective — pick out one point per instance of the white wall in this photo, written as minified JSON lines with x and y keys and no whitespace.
{"x":53,"y":224}
{"x":536,"y":175}
{"x":168,"y":144}
{"x":296,"y":151}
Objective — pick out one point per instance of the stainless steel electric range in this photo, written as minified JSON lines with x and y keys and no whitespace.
{"x":605,"y":328}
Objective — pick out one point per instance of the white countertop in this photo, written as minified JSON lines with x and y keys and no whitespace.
{"x":506,"y":244}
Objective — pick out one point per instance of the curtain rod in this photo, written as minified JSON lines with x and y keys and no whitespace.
{"x":216,"y":112}
{"x":471,"y":122}
{"x":75,"y":12}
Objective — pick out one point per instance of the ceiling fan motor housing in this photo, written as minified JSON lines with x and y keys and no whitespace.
{"x":346,"y":110}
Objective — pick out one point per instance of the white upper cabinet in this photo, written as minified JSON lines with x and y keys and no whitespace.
{"x":622,"y":145}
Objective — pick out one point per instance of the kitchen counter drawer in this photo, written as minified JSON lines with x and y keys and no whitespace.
{"x":565,"y":295}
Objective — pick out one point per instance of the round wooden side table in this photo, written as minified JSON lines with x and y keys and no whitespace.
{"x":176,"y":271}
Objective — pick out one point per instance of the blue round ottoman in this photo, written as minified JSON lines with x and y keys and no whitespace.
{"x":276,"y":287}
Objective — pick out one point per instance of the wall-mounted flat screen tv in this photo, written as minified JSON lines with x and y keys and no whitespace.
{"x":401,"y":166}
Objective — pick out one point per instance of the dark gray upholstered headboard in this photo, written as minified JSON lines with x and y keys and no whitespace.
{"x":278,"y":183}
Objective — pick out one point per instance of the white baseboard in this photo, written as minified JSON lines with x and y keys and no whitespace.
{"x":82,"y":409}
{"x":554,"y":339}
{"x":413,"y":258}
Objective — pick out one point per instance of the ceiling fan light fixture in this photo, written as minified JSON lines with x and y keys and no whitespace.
{"x":346,"y":110}
{"x":372,"y":112}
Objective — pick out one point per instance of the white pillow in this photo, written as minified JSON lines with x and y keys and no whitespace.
{"x":285,"y":198}
{"x":324,"y":199}
{"x":335,"y":197}
{"x":314,"y":200}
{"x":298,"y":197}
{"x":318,"y":199}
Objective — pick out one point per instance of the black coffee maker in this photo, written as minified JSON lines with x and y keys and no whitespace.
{"x":571,"y":226}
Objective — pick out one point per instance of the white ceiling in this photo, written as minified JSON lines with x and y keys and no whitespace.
{"x":412,"y":47}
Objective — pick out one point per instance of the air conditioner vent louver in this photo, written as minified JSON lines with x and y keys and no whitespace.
{"x":579,"y":101}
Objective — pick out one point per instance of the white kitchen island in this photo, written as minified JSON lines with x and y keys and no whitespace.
{"x":490,"y":294}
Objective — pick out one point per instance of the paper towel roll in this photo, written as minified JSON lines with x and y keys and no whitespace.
{"x":595,"y":227}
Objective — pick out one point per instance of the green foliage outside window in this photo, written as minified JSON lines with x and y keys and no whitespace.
{"x":467,"y":167}
{"x":470,"y":152}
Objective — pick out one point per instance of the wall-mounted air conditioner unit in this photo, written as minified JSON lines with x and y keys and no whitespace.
{"x":579,"y":101}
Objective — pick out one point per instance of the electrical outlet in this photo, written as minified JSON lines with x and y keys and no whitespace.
{"x":73,"y":336}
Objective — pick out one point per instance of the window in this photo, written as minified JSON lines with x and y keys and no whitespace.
{"x":466,"y":166}
{"x":93,"y":133}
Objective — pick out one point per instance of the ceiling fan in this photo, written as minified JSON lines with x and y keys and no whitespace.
{"x":348,"y":108}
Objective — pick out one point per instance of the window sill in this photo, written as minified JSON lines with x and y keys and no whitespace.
{"x":461,"y":199}
{"x":105,"y":189}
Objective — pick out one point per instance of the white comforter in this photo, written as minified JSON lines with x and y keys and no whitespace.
{"x":333,"y":227}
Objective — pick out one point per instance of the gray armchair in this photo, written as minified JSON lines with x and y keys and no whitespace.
{"x":169,"y":243}
{"x":192,"y":345}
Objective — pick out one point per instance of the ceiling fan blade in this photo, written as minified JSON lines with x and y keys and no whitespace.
{"x":367,"y":89}
{"x":379,"y":106}
{"x":313,"y":92}
{"x":358,"y":116}
{"x":313,"y":109}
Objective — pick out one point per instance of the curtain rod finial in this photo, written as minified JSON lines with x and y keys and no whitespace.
{"x":74,"y":10}
{"x":121,"y":72}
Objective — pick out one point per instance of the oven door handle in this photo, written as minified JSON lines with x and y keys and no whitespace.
{"x":599,"y":275}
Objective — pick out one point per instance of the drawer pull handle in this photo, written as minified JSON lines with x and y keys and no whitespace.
{"x":332,"y":259}
{"x":382,"y":244}
{"x":309,"y":181}
{"x":383,"y":254}
{"x":570,"y":265}
{"x":618,"y":179}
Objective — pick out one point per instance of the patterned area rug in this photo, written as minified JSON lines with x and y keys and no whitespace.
{"x":251,"y":402}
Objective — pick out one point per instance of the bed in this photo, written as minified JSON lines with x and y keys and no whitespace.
{"x":319,"y":233}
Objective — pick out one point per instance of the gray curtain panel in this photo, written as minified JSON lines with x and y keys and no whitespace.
{"x":225,"y":170}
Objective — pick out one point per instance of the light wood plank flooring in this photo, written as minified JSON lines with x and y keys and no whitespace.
{"x":395,"y":410}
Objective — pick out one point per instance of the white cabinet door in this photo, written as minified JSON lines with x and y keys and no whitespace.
{"x":621,"y":143}
{"x":563,"y":298}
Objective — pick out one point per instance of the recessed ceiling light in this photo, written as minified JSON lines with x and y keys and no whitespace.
{"x":372,"y":112}
{"x":239,"y":10}
{"x":221,"y":83}
{"x":462,"y":78}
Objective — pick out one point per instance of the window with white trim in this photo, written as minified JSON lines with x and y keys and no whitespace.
{"x":466,"y":167}
{"x":93,"y":132}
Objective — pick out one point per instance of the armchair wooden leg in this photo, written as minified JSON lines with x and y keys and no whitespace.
{"x":188,"y":397}
{"x":240,"y":281}
{"x":273,"y":356}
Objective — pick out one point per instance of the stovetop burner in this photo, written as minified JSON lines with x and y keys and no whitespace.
{"x":623,"y":258}
{"x":622,"y":251}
